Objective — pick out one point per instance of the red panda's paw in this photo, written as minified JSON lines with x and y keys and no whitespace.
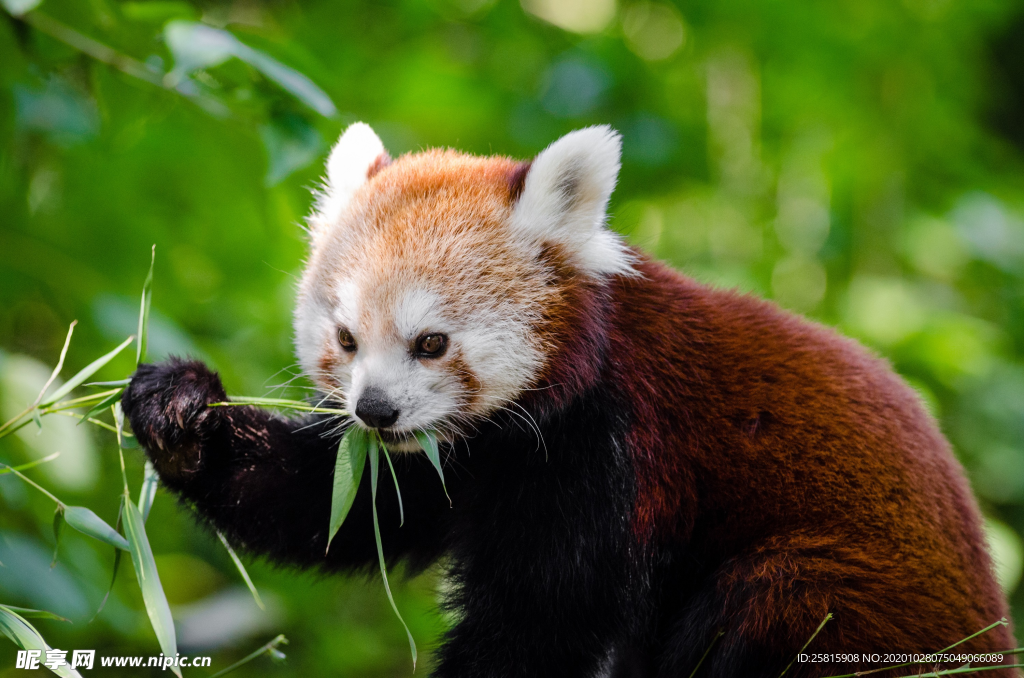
{"x":166,"y":405}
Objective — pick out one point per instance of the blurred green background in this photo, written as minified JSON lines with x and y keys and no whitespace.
{"x":859,"y":161}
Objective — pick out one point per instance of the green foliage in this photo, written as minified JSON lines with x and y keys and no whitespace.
{"x":858,"y":161}
{"x":347,"y":472}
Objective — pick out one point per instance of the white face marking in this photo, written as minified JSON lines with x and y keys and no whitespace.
{"x":417,"y":313}
{"x":433,"y":244}
{"x":487,"y":362}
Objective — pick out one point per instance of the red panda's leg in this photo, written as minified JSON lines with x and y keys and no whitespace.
{"x":266,"y":481}
{"x":759,"y":610}
{"x":754,"y":615}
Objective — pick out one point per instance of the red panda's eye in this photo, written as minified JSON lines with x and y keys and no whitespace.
{"x":431,"y":345}
{"x":347,"y":341}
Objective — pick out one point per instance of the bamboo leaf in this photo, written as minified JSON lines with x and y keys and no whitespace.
{"x":269,"y":649}
{"x":348,"y":469}
{"x":147,"y":493}
{"x":428,"y":441}
{"x":24,"y":467}
{"x":88,"y":523}
{"x":149,"y":580}
{"x":242,"y":571}
{"x":147,"y":300}
{"x":107,"y":384}
{"x":102,"y":405}
{"x":113,"y":576}
{"x":29,"y":613}
{"x":60,"y":363}
{"x":118,"y":430}
{"x":86,"y":372}
{"x":58,"y":529}
{"x":278,"y":402}
{"x":372,"y":453}
{"x":25,"y":636}
{"x":394,"y":476}
{"x":113,"y":579}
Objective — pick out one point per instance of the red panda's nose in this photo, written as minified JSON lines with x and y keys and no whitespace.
{"x":375,"y":410}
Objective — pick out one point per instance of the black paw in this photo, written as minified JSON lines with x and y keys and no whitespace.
{"x":166,"y":405}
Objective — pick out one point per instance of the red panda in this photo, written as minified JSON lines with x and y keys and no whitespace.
{"x":648,"y":476}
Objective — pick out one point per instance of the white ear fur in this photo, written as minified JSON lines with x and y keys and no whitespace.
{"x":565,"y":196}
{"x":348,"y":167}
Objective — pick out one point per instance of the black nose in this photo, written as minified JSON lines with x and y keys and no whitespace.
{"x":375,"y":410}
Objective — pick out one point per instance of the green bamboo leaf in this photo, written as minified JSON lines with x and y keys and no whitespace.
{"x":88,"y":523}
{"x":29,"y":613}
{"x":374,"y":464}
{"x":86,"y":372}
{"x":268,"y":649}
{"x":394,"y":476}
{"x":108,"y":384}
{"x":149,"y":580}
{"x":102,"y":405}
{"x":23,"y":467}
{"x":58,"y":529}
{"x":148,"y":491}
{"x":113,"y":576}
{"x":242,"y":571}
{"x":119,"y":430}
{"x":25,"y":636}
{"x":60,"y":364}
{"x":113,"y":579}
{"x":348,"y":469}
{"x":428,"y":441}
{"x":277,"y":402}
{"x":147,"y":300}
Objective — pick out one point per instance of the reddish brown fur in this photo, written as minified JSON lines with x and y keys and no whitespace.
{"x":760,"y":441}
{"x":517,"y":180}
{"x":752,"y":426}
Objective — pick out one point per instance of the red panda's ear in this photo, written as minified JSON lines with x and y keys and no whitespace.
{"x":358,"y":155}
{"x":564,"y":197}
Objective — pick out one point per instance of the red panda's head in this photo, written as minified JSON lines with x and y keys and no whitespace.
{"x":438,"y":285}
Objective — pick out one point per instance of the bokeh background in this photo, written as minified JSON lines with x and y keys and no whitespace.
{"x":858,"y":161}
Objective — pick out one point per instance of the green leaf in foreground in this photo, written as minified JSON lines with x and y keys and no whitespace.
{"x":147,"y":300}
{"x":147,"y":493}
{"x":398,"y":491}
{"x":58,"y":368}
{"x":58,"y":530}
{"x":113,"y":580}
{"x":428,"y":441}
{"x":149,"y":581}
{"x":113,"y":575}
{"x":348,"y":469}
{"x":88,"y":523}
{"x":241,"y":570}
{"x":28,"y":465}
{"x":296,"y":405}
{"x":372,"y":453}
{"x":269,"y":649}
{"x":29,"y":613}
{"x":85,"y":373}
{"x":102,"y":405}
{"x":25,"y":636}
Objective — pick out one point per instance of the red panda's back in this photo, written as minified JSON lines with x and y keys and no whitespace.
{"x":800,"y":462}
